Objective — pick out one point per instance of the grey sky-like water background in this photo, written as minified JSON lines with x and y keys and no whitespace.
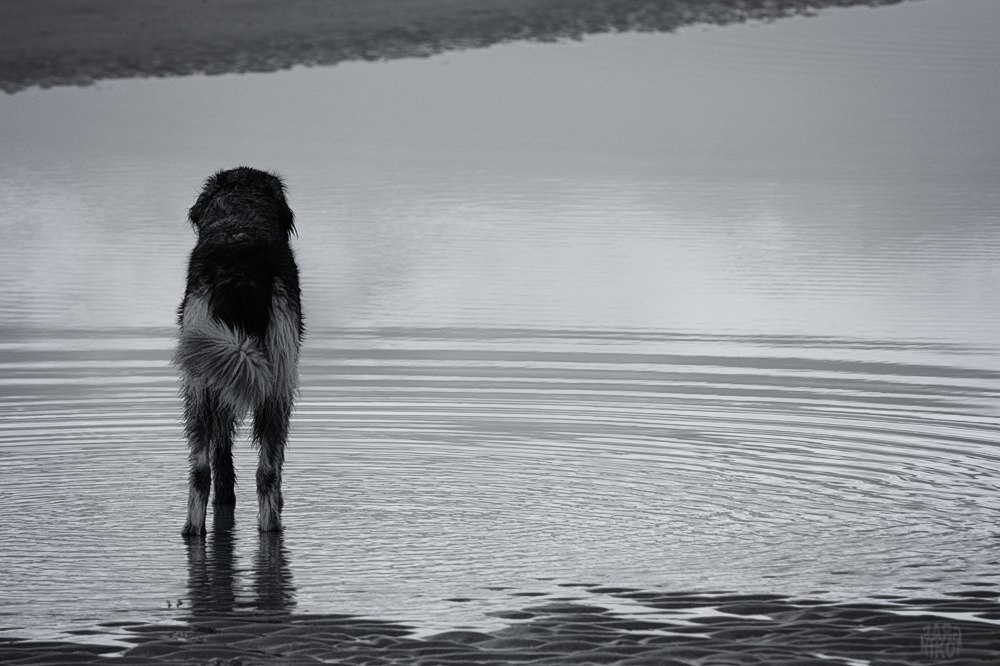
{"x":713,"y":310}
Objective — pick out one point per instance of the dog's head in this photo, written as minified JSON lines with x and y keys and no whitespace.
{"x":245,"y":192}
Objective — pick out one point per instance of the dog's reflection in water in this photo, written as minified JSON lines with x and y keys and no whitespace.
{"x":217,"y":584}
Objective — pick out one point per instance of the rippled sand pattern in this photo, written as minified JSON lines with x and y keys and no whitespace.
{"x":669,"y":629}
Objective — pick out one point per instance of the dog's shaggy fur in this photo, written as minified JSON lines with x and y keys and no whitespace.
{"x":240,"y":334}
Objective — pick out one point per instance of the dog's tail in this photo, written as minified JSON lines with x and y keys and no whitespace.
{"x":224,"y":359}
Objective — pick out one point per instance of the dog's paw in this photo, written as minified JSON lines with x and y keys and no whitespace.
{"x":193,"y":530}
{"x":270,"y":524}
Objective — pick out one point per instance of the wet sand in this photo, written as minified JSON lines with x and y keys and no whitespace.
{"x":711,"y":629}
{"x":63,"y":42}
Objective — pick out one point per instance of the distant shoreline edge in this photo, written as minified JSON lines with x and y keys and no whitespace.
{"x":50,"y":43}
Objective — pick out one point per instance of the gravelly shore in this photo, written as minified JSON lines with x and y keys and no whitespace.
{"x":737,"y":629}
{"x":65,"y":42}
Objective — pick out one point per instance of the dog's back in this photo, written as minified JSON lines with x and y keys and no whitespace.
{"x":240,"y":333}
{"x":240,"y":320}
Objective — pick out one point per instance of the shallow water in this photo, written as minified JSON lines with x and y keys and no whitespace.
{"x":543,"y":358}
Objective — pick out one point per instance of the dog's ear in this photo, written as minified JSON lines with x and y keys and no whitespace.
{"x":286,"y":218}
{"x":212,"y":186}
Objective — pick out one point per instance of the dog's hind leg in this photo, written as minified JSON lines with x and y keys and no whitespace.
{"x":223,"y":473}
{"x":270,"y":431}
{"x":199,"y":419}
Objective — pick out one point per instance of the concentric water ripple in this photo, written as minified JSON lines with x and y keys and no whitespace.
{"x":433,"y":473}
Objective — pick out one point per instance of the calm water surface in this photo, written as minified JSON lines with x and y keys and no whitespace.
{"x":599,"y":313}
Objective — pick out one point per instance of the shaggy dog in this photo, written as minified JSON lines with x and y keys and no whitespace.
{"x":240,"y":334}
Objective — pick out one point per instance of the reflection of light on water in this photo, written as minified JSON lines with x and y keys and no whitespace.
{"x":847,"y":660}
{"x":496,"y":616}
{"x":687,"y":617}
{"x":968,"y":617}
{"x":117,"y":636}
{"x":861,"y":259}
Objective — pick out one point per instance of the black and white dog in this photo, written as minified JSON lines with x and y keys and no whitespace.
{"x":241,"y":330}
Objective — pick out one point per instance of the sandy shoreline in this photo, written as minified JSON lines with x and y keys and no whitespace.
{"x":719,"y":629}
{"x":62,"y":42}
